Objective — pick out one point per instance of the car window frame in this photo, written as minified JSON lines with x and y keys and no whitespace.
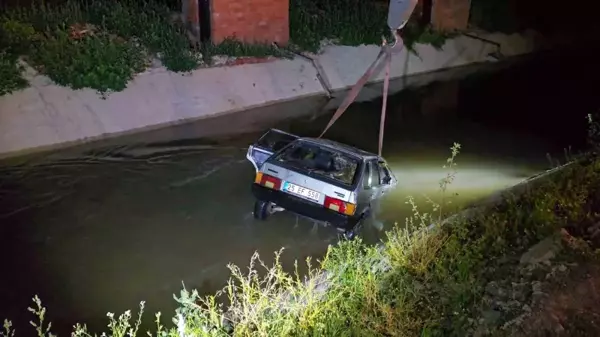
{"x":384,"y":172}
{"x":325,"y":179}
{"x":368,"y":173}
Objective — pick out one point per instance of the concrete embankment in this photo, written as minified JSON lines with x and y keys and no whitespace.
{"x":46,"y":116}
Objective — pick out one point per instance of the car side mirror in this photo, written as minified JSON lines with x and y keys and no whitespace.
{"x":387,"y":180}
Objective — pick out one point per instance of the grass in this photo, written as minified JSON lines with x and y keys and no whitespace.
{"x":235,"y":48}
{"x":101,"y":44}
{"x":10,"y":74}
{"x":350,"y":23}
{"x":98,"y":45}
{"x":423,"y":280}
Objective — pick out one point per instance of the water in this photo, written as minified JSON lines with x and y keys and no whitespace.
{"x":91,"y":236}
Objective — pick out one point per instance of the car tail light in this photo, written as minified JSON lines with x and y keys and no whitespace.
{"x":339,"y":206}
{"x":267,"y":181}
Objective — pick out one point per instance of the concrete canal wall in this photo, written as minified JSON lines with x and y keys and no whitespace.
{"x":46,"y":116}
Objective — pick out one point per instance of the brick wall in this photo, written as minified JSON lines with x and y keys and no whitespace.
{"x":448,"y":15}
{"x":258,"y":21}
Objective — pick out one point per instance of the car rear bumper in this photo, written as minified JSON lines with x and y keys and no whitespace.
{"x":302,"y":207}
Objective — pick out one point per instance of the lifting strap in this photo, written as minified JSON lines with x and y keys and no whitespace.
{"x":386,"y":88}
{"x":386,"y":51}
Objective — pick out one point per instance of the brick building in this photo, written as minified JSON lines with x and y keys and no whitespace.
{"x":267,"y":21}
{"x":250,"y":21}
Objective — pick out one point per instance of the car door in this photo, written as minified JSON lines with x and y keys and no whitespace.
{"x":370,"y":189}
{"x":269,"y":143}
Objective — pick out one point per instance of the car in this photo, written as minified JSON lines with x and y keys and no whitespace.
{"x":316,"y":178}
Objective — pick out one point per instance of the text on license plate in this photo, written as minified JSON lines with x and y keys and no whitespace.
{"x":298,"y":190}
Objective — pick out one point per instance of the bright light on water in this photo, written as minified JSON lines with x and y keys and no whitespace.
{"x":473,"y":180}
{"x":427,"y":179}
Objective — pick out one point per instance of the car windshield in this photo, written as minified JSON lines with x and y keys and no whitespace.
{"x":320,"y":161}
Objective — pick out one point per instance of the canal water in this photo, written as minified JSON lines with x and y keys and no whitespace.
{"x":100,"y":228}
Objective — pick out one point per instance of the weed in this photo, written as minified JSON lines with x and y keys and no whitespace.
{"x":350,"y":23}
{"x":14,"y":39}
{"x":147,"y":22}
{"x":235,"y":48}
{"x":39,"y":312}
{"x":8,"y":330}
{"x":100,"y":62}
{"x":104,"y":44}
{"x":11,"y":78}
{"x":414,"y":33}
{"x":95,"y":44}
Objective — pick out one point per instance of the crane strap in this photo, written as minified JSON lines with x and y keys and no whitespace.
{"x":386,"y":53}
{"x":386,"y":88}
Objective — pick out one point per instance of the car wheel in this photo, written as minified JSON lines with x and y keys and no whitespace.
{"x":262,"y":209}
{"x":349,"y":234}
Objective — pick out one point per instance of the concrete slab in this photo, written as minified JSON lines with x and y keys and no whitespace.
{"x":344,"y":65}
{"x":46,"y":114}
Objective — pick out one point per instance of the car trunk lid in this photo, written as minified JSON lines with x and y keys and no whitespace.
{"x":269,"y":143}
{"x":303,"y":186}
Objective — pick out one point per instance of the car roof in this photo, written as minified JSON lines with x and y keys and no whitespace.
{"x":340,"y":147}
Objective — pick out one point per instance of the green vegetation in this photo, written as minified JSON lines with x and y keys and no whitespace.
{"x":10,"y":74}
{"x":100,"y":45}
{"x":351,"y":23}
{"x":428,"y":281}
{"x":103,"y":44}
{"x":414,"y":33}
{"x":235,"y":48}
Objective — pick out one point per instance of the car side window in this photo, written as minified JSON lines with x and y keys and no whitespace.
{"x":384,"y":173}
{"x":367,"y":177}
{"x":372,"y":175}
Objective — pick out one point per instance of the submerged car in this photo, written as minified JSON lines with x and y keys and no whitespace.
{"x":317,"y":178}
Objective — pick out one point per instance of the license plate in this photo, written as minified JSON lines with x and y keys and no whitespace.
{"x":301,"y":191}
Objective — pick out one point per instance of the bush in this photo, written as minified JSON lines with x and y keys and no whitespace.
{"x":100,"y":62}
{"x":351,"y":23}
{"x":14,"y":39}
{"x":148,"y":22}
{"x":99,"y":45}
{"x":10,"y":74}
{"x":235,"y":48}
{"x":103,"y":44}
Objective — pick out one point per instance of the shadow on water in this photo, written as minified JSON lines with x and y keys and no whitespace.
{"x":92,"y":234}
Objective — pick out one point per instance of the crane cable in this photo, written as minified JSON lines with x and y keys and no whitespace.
{"x":386,"y":52}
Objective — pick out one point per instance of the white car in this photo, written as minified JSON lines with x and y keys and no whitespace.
{"x":316,"y":178}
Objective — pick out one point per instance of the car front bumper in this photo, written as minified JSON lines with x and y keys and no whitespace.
{"x":303,"y":207}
